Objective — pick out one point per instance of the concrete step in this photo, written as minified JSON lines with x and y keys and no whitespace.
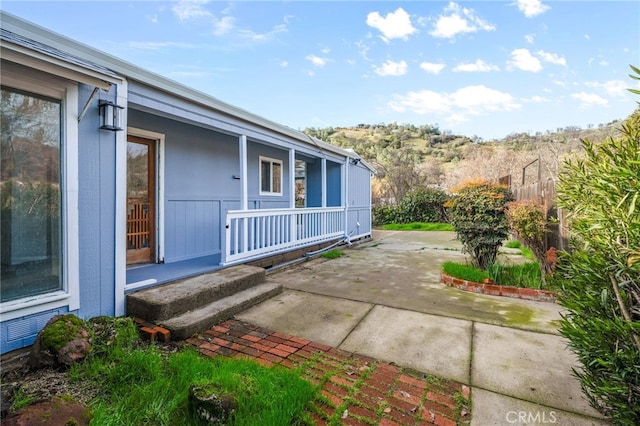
{"x":203,"y":318}
{"x":175,"y":298}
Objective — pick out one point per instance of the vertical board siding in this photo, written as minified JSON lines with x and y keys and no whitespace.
{"x":359,"y":186}
{"x":194,"y":227}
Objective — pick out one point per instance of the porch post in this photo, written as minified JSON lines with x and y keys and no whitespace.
{"x":244,"y":197}
{"x":345,"y":179}
{"x":324,"y":182}
{"x":292,"y":178}
{"x":323,"y":168}
{"x":243,"y":173}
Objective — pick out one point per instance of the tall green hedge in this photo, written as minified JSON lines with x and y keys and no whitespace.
{"x":420,"y":205}
{"x":601,"y":277}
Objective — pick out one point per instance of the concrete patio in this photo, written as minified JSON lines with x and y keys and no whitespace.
{"x":383,"y":299}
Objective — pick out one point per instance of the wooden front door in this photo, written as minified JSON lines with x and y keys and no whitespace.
{"x":141,"y":200}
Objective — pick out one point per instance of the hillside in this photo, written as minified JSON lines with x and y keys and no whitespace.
{"x":407,"y":156}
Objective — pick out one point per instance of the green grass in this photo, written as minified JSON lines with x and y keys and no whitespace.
{"x":524,"y":275}
{"x":513,"y":244}
{"x":332,"y":254}
{"x":524,"y":251}
{"x":418,"y":226}
{"x":464,"y":271}
{"x":141,"y":385}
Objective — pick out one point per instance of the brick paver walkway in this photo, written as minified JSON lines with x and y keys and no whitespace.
{"x":355,"y":390}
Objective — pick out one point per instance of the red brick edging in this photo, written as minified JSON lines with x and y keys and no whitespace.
{"x":499,"y":290}
{"x":355,"y":389}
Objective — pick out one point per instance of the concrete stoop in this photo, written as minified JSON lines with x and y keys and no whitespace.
{"x":192,"y":305}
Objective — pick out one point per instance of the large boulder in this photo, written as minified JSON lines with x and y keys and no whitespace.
{"x":63,"y":341}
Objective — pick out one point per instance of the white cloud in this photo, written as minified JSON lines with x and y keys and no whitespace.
{"x":284,"y":64}
{"x":530,"y":38}
{"x":553,"y":58}
{"x":317,"y":60}
{"x":459,"y":20}
{"x":589,"y":99}
{"x":587,"y":36}
{"x":613,"y":88}
{"x":470,"y":100}
{"x":253,"y":37}
{"x":532,"y":8}
{"x":539,"y":99}
{"x":395,"y":25}
{"x":190,"y":9}
{"x":224,"y":25}
{"x":524,"y":60}
{"x":478,"y":66}
{"x":391,"y":68}
{"x":363,"y":49}
{"x":432,"y":68}
{"x":481,"y":99}
{"x":421,"y":102}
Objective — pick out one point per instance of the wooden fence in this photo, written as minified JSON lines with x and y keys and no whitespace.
{"x":544,"y":194}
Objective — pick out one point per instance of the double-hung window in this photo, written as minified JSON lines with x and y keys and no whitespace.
{"x":270,"y":176}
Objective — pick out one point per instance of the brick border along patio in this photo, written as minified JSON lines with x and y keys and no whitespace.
{"x":355,"y":390}
{"x":499,"y":290}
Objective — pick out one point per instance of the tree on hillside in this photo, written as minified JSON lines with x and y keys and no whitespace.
{"x":398,"y":171}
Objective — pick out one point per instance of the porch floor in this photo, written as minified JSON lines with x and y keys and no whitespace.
{"x":158,"y":273}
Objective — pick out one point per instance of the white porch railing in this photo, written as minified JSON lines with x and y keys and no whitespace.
{"x":254,"y":233}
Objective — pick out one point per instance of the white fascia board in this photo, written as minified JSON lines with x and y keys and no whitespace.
{"x":37,"y":60}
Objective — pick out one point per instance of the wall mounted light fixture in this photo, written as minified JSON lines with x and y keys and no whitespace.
{"x":354,"y":161}
{"x":110,"y":116}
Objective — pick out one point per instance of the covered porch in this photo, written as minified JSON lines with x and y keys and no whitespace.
{"x":301,"y":203}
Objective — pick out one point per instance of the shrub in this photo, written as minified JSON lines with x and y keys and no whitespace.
{"x":477,"y":212}
{"x":384,"y":214}
{"x":601,"y":277}
{"x":423,"y":205}
{"x":527,"y":220}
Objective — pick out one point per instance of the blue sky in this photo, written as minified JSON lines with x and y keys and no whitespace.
{"x":485,"y":68}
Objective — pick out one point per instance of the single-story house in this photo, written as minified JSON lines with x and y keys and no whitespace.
{"x":114,"y":178}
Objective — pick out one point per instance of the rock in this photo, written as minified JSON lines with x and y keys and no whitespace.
{"x":63,"y":341}
{"x":210,"y":405}
{"x":54,"y":412}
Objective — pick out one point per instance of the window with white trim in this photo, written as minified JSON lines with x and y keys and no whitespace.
{"x":270,"y":176}
{"x":38,"y":192}
{"x":30,"y":194}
